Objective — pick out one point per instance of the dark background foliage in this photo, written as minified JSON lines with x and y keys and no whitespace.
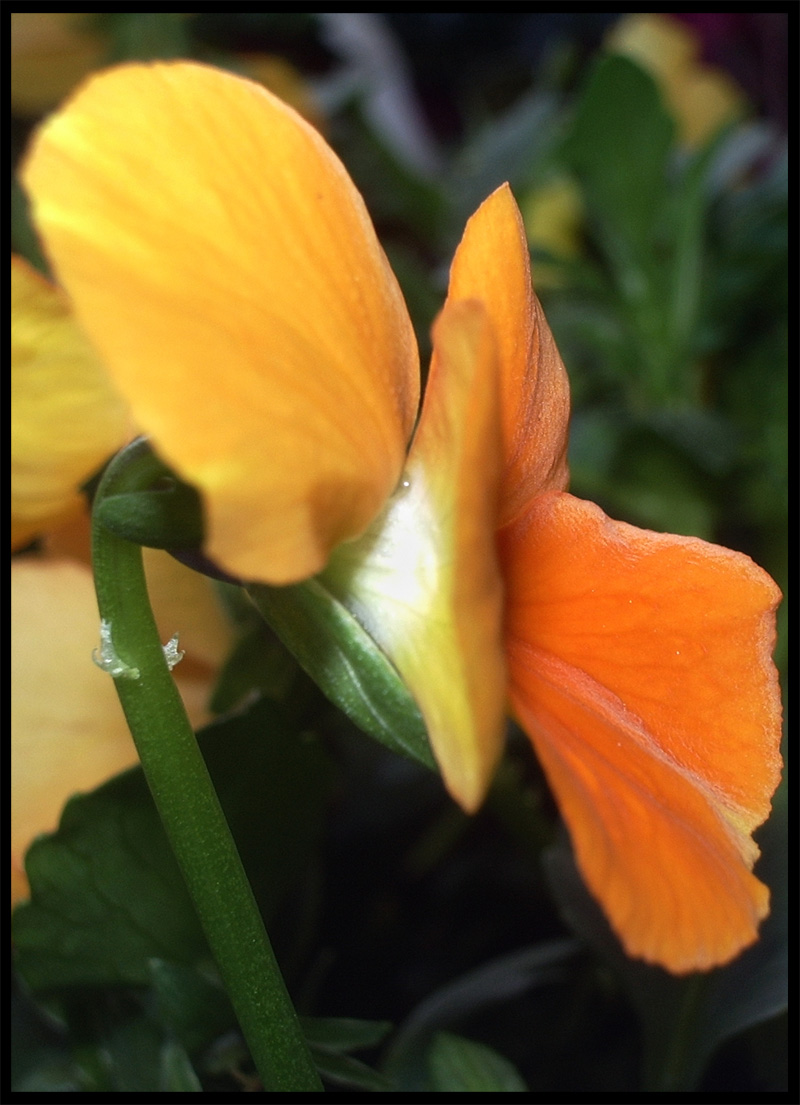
{"x":385,"y":903}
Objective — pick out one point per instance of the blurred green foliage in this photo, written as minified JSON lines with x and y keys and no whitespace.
{"x":473,"y":937}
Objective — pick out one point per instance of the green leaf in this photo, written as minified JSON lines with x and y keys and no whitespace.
{"x":342,"y":1034}
{"x":143,"y":35}
{"x":39,"y":1058}
{"x":689,"y":264}
{"x":346,"y":664}
{"x":495,"y":982}
{"x":618,"y":146}
{"x":464,"y":1066}
{"x":177,"y":1074}
{"x":192,"y":1009}
{"x":106,"y":894}
{"x":128,"y":1057}
{"x":330,"y":1038}
{"x":708,"y":439}
{"x":344,"y":1070}
{"x":259,"y":663}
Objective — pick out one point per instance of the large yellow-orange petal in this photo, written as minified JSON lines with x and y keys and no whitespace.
{"x":66,"y":418}
{"x":640,"y":665}
{"x":424,"y":581}
{"x":223,"y":263}
{"x":492,"y":264}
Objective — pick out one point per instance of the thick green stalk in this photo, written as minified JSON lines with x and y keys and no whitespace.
{"x":185,"y":797}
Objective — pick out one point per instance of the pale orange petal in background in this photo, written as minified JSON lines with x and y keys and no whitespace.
{"x":226,"y":269}
{"x":424,"y":580}
{"x":66,"y":417}
{"x":68,"y":732}
{"x":186,"y":602}
{"x":492,"y":264}
{"x":640,"y":665}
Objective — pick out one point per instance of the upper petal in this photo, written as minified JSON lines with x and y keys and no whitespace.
{"x":492,"y":264}
{"x":66,"y":418}
{"x":424,"y":580}
{"x":640,"y":664}
{"x":225,"y":266}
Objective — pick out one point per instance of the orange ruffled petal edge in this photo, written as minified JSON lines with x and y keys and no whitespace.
{"x":640,"y":665}
{"x":492,"y":265}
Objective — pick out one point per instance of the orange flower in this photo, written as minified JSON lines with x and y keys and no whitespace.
{"x":221,"y":260}
{"x":639,"y":665}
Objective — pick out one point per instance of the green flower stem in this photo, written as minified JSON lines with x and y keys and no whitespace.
{"x":186,"y":800}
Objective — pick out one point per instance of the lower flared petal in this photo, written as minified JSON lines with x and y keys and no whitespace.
{"x":424,"y":580}
{"x":640,"y":666}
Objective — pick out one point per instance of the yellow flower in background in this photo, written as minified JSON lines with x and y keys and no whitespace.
{"x":554,"y":215}
{"x":68,"y":732}
{"x":702,"y":97}
{"x":64,"y":407}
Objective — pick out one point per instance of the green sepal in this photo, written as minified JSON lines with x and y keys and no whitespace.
{"x":168,"y":517}
{"x":346,"y":664}
{"x":166,"y":514}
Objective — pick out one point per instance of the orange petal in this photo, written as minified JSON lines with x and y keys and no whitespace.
{"x":226,"y":268}
{"x":641,"y":668}
{"x":424,"y":581}
{"x":66,"y":418}
{"x":492,"y":264}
